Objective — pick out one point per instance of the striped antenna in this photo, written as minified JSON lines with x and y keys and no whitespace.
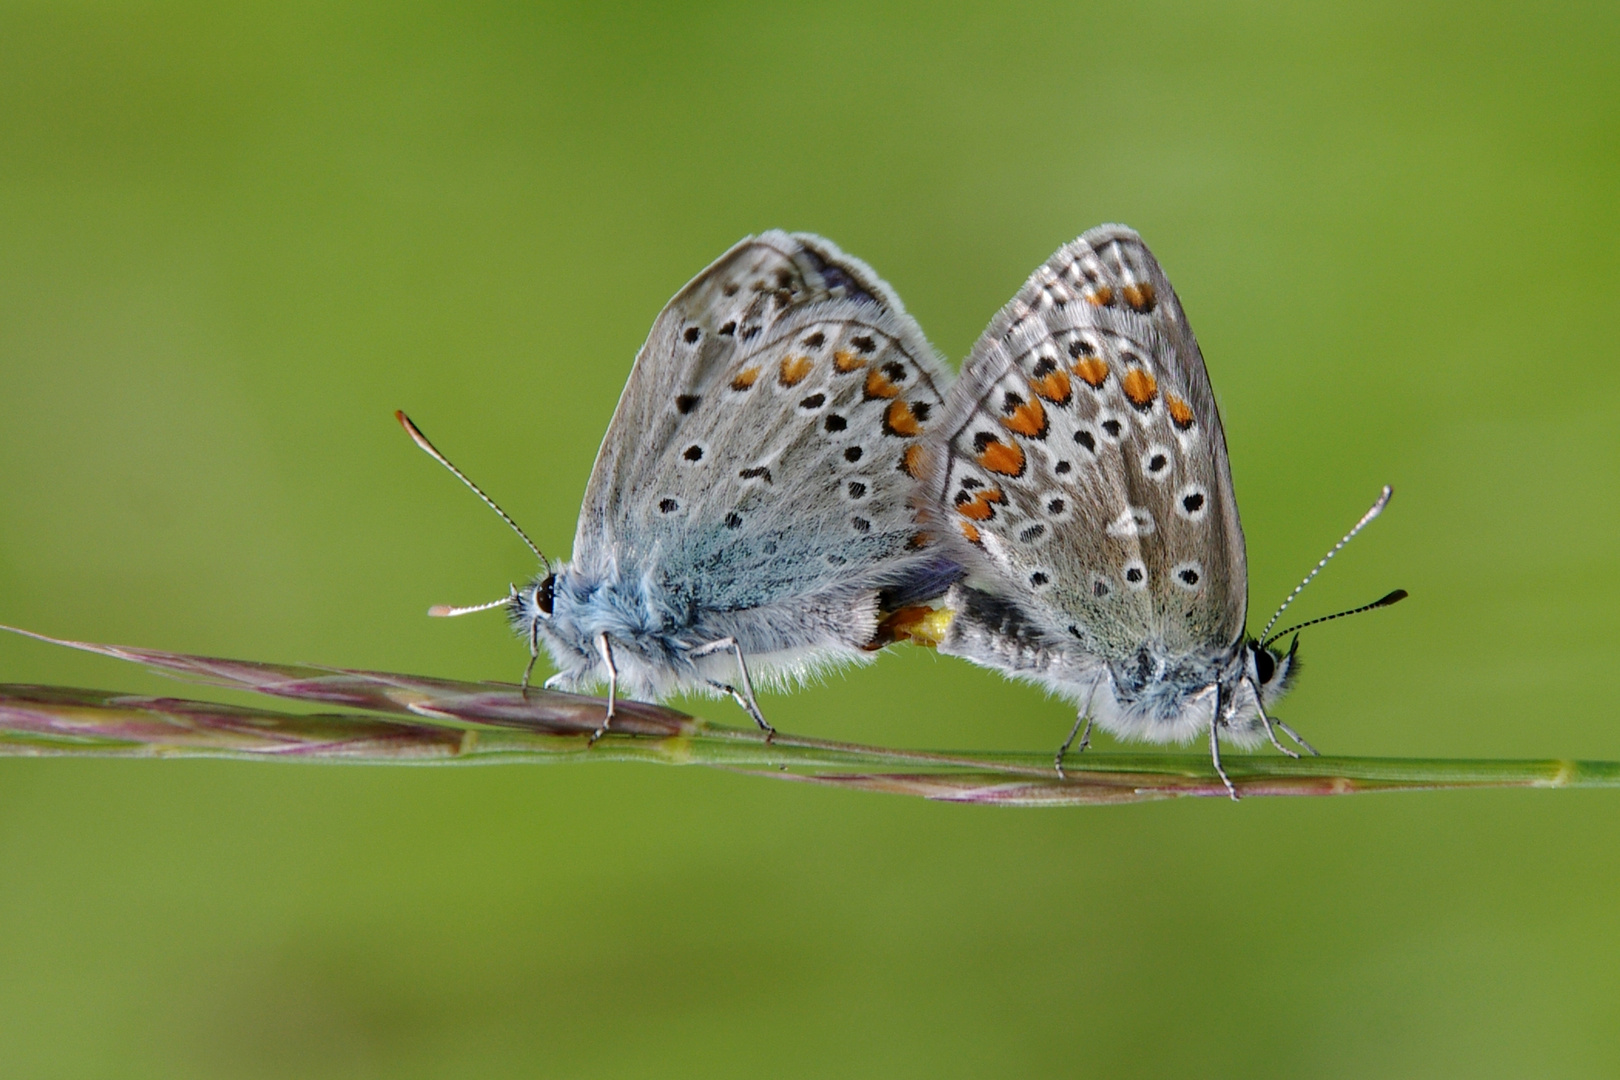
{"x":448,"y":611}
{"x":1377,"y":508}
{"x":433,"y":452}
{"x":1383,"y":601}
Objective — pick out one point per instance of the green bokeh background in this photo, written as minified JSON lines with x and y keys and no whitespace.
{"x":234,"y":239}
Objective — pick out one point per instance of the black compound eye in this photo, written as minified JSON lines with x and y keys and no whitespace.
{"x":545,"y":594}
{"x":1265,"y":664}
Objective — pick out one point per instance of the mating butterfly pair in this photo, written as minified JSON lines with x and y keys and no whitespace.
{"x":790,"y":465}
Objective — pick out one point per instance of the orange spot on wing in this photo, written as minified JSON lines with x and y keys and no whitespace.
{"x":1101,"y":296}
{"x":1053,"y":386}
{"x":911,"y":460}
{"x":898,"y":419}
{"x":745,"y":378}
{"x":1093,"y":369}
{"x":1140,"y":387}
{"x":1004,"y":458}
{"x":794,"y":369}
{"x":1180,"y":412}
{"x":1029,"y":419}
{"x":981,"y":506}
{"x":972,"y":533}
{"x":918,"y":541}
{"x":847,"y":361}
{"x":1140,"y":296}
{"x":879,"y":386}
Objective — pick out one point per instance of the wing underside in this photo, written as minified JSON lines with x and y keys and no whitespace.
{"x":765,"y":445}
{"x":1081,"y":468}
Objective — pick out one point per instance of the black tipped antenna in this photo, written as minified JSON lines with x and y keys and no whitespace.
{"x":422,"y":440}
{"x":1377,"y":508}
{"x":1383,"y":601}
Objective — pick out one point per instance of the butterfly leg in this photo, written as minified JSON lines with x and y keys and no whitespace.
{"x":746,"y":698}
{"x":1292,"y":734}
{"x":534,"y":654}
{"x":606,"y":649}
{"x":742,"y":702}
{"x":1267,"y":722}
{"x":1085,"y":741}
{"x":1215,"y":756}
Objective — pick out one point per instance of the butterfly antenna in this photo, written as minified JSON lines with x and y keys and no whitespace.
{"x":432,"y":451}
{"x":1383,"y":601}
{"x":1377,"y":508}
{"x":450,"y":611}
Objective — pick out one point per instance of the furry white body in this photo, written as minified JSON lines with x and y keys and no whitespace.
{"x":1153,"y":697}
{"x":653,"y":639}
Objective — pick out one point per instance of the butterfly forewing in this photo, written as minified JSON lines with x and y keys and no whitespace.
{"x":1082,"y":461}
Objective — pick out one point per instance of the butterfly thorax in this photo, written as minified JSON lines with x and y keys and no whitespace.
{"x":1163,"y":697}
{"x":569,"y":610}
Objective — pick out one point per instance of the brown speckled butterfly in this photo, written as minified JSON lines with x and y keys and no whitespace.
{"x":1079,"y":473}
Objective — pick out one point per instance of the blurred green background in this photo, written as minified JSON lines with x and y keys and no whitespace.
{"x":234,"y":238}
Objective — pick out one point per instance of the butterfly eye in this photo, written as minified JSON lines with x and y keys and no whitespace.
{"x":1265,"y":664}
{"x":545,"y":594}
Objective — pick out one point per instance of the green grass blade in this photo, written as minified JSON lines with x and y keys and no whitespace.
{"x":405,"y":719}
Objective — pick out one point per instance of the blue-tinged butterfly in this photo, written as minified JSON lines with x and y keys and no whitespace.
{"x":748,"y":513}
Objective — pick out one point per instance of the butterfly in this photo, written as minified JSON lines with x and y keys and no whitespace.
{"x":748,"y":513}
{"x":1080,"y":476}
